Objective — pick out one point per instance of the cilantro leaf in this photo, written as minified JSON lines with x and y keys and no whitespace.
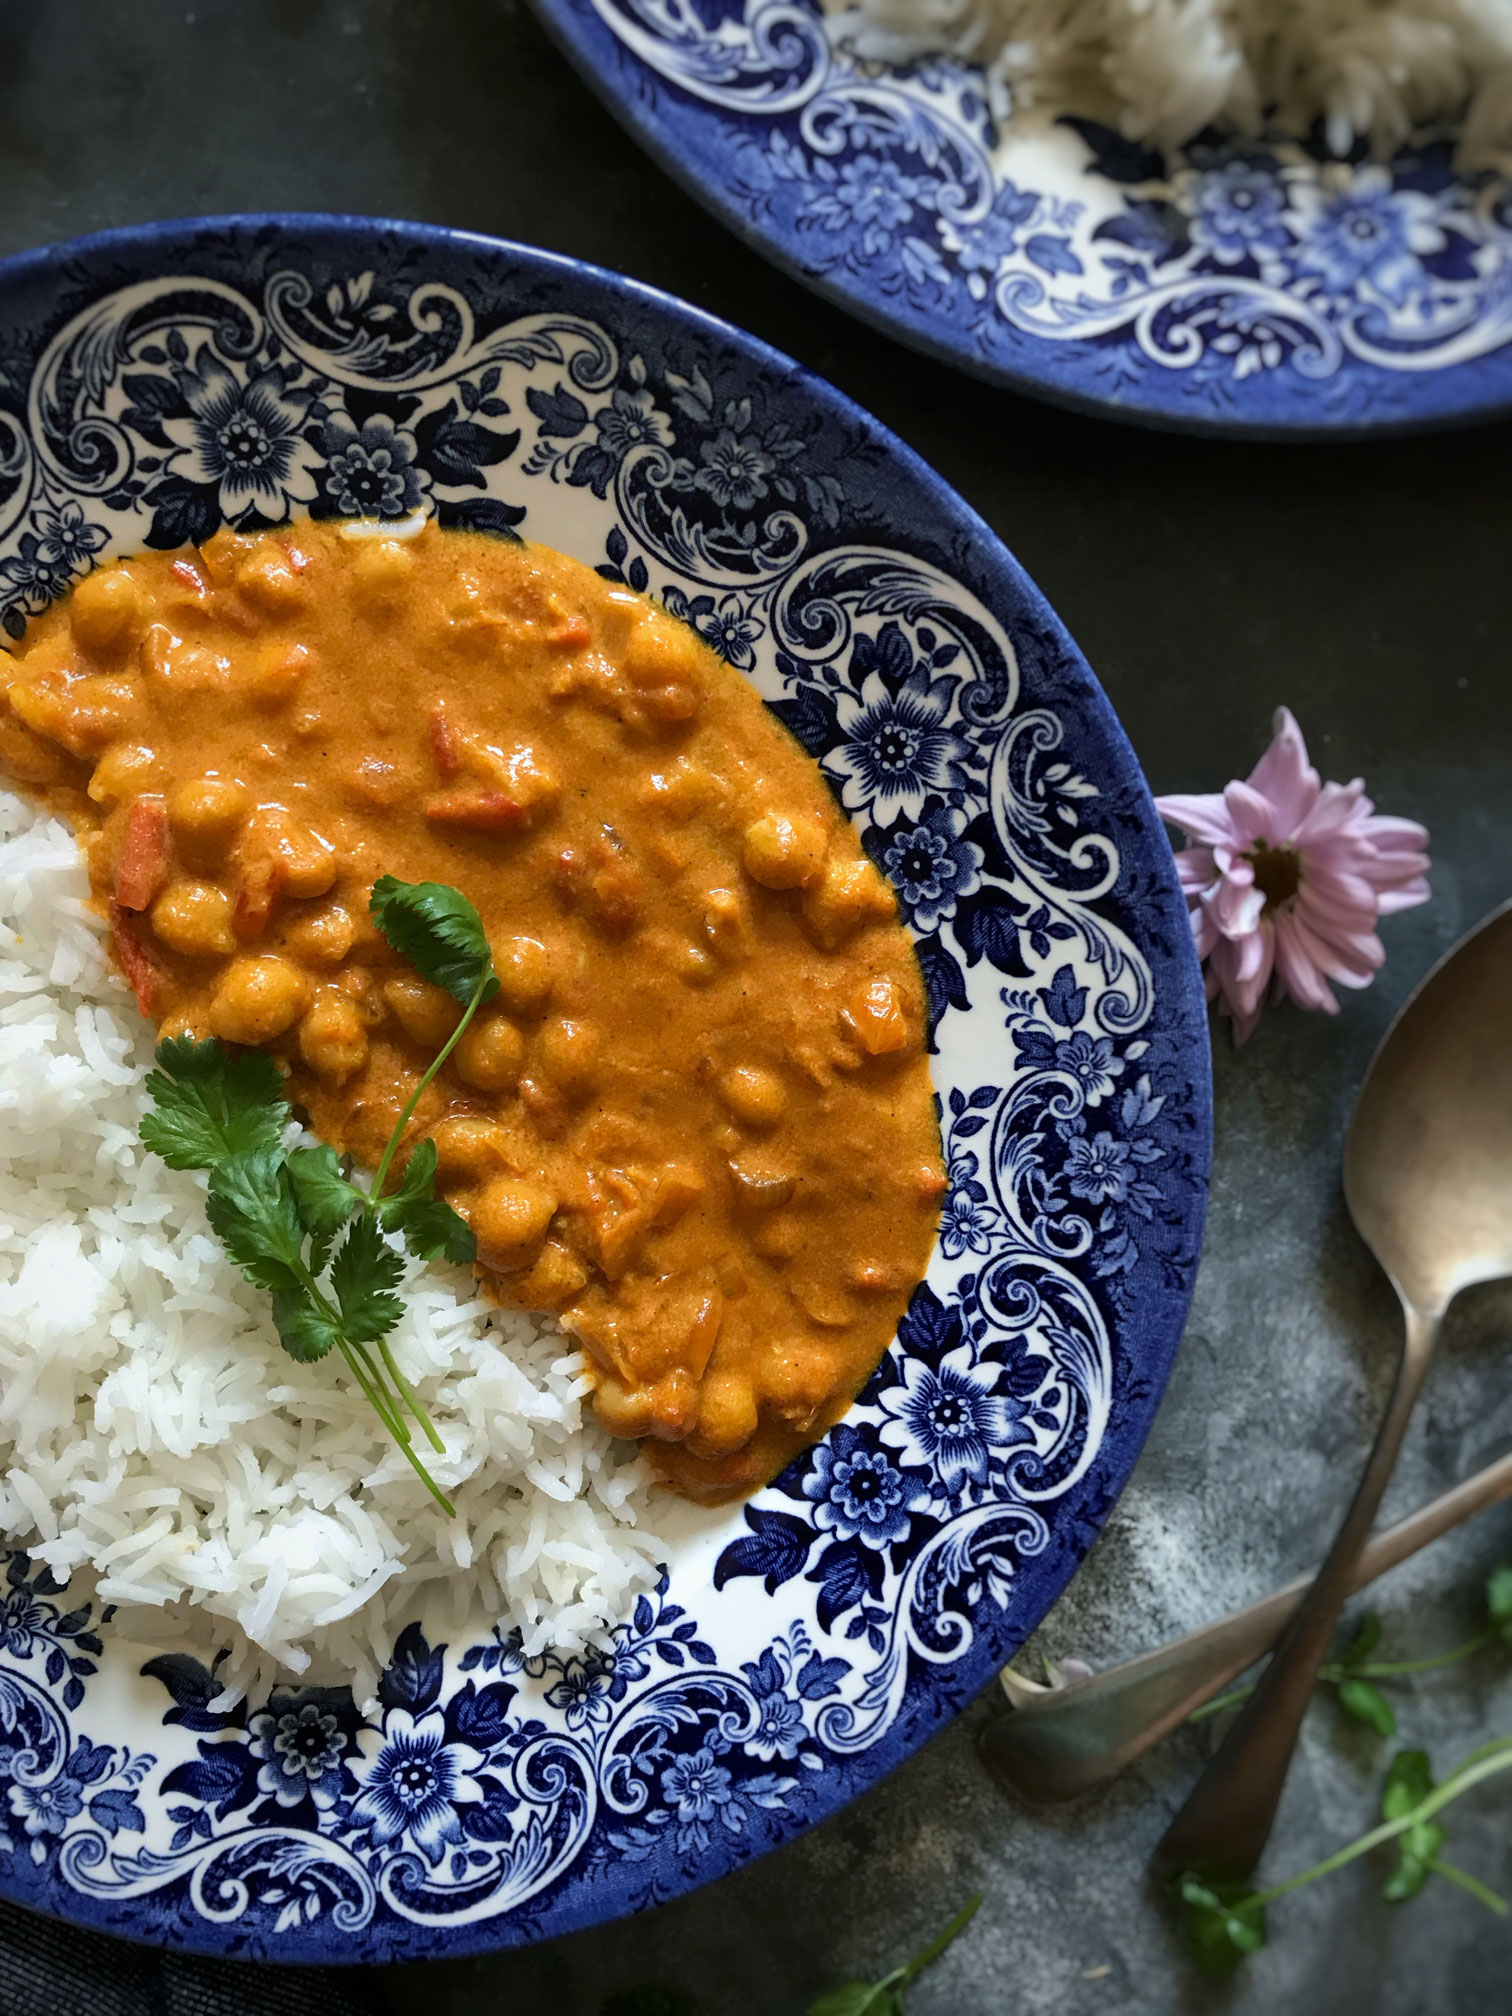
{"x":1364,"y":1641}
{"x":432,"y":1229}
{"x":1499,"y":1600}
{"x":857,"y":1998}
{"x":1419,"y":1847}
{"x":1218,"y":1924}
{"x":1408,"y":1783}
{"x":305,"y":1330}
{"x":364,"y":1275}
{"x":439,"y":932}
{"x":885,"y":1997}
{"x":210,"y":1104}
{"x":1367,"y":1704}
{"x":325,"y":1198}
{"x":252,"y":1210}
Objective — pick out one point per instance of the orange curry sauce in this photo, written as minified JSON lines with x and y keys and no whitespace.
{"x":697,"y":1122}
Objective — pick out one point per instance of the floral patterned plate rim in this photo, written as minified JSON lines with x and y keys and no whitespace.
{"x":160,"y":381}
{"x":1254,"y":288}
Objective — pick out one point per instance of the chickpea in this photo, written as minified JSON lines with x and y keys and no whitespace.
{"x":270,"y":582}
{"x":551,"y":1280}
{"x":322,"y":937}
{"x":661,"y":652}
{"x":524,"y":969}
{"x":509,"y":1218}
{"x":623,"y":1410}
{"x":528,"y":781}
{"x":760,"y":1188}
{"x":726,"y":1415}
{"x":426,"y":1014}
{"x":372,"y":781}
{"x":179,"y":667}
{"x":38,"y":705}
{"x":777,"y":1237}
{"x":195,"y":919}
{"x":696,"y":967}
{"x":258,"y":999}
{"x":569,"y":1052}
{"x":306,"y":862}
{"x":782,"y":853}
{"x":279,"y":671}
{"x":105,"y":611}
{"x":683,"y":790}
{"x":206,"y":815}
{"x":222,"y":552}
{"x":724,"y":922}
{"x":674,"y":1406}
{"x":86,"y":716}
{"x":875,"y":1017}
{"x":332,"y":1038}
{"x":754,"y":1095}
{"x":491,"y":1055}
{"x":850,"y":894}
{"x":381,"y":574}
{"x":468,"y":1149}
{"x":797,"y":1379}
{"x":125,"y":770}
{"x":669,"y":706}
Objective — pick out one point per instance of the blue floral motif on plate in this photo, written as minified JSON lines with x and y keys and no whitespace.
{"x":1250,"y":287}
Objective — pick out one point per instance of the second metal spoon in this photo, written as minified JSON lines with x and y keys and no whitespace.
{"x":1069,"y":1740}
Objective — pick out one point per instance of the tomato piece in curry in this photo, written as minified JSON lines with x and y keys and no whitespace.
{"x":697,"y":1122}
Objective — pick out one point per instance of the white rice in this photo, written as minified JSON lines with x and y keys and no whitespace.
{"x":154,"y":1434}
{"x":1162,"y":70}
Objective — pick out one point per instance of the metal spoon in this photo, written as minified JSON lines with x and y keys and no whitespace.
{"x":1428,"y":1182}
{"x":1068,"y":1740}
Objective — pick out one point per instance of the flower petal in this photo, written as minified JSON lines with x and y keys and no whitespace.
{"x":1202,"y":818}
{"x":1284,"y":776}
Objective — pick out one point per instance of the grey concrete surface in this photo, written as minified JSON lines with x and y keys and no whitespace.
{"x":1365,"y":584}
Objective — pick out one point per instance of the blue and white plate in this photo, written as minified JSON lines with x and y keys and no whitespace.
{"x":1255,"y":289}
{"x":156,"y":381}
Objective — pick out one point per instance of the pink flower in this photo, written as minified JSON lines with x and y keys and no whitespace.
{"x":1286,"y":879}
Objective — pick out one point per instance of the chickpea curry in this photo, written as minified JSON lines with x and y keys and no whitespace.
{"x":697,"y":1121}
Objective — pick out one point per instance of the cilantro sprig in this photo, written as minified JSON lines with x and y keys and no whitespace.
{"x":294,"y":1220}
{"x":1223,"y":1923}
{"x":885,"y":1997}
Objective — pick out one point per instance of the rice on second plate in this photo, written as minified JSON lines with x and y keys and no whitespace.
{"x":154,"y":1433}
{"x":1162,"y":70}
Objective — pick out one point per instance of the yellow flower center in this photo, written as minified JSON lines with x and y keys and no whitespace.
{"x":1278,"y":872}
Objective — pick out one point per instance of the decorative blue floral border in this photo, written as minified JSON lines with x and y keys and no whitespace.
{"x":159,"y":383}
{"x":1256,"y":288}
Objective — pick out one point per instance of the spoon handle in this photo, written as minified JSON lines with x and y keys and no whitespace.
{"x":1073,"y":1739}
{"x":1221,"y":1831}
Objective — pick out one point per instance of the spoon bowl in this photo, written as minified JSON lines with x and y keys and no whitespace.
{"x":1428,"y":1160}
{"x":1428,"y":1182}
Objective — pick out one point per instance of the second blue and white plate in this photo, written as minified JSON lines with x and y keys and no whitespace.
{"x":1255,"y":289}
